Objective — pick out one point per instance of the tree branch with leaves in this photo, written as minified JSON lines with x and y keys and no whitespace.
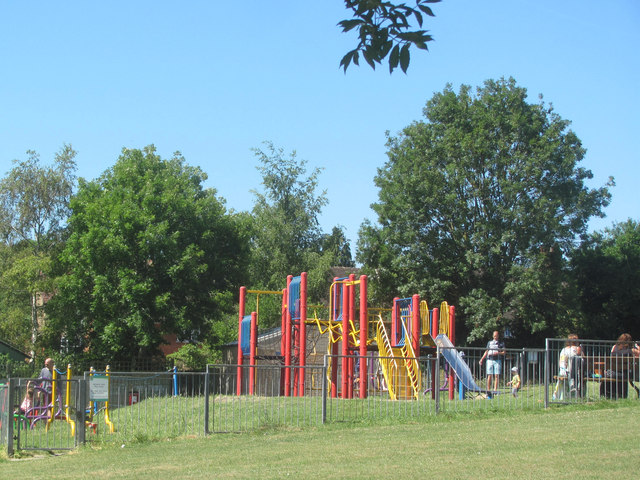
{"x":386,"y":29}
{"x":34,"y":208}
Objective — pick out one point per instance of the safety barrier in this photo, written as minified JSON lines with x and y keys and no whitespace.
{"x":50,"y":420}
{"x":587,"y":370}
{"x":143,"y":405}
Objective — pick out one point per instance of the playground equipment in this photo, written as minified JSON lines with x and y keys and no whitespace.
{"x":346,"y":321}
{"x":94,"y":405}
{"x":62,"y":412}
{"x":413,"y":330}
{"x":48,"y":403}
{"x":293,"y":343}
{"x":459,"y":366}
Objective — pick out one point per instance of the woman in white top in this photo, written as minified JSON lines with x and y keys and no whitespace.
{"x":566,"y":381}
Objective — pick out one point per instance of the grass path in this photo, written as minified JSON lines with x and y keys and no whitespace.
{"x":560,"y":443}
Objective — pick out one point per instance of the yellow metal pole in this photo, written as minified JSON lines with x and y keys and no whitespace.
{"x":91,"y":404}
{"x":54,"y":377}
{"x":67,"y":402}
{"x":107,"y":420}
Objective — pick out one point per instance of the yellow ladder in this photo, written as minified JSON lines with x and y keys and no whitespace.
{"x":403,"y":378}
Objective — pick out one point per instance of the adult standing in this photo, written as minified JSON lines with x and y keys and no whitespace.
{"x":494,"y":354}
{"x":46,"y":376}
{"x":569,"y":374}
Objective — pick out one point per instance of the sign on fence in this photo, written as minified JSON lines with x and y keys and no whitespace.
{"x":99,"y":388}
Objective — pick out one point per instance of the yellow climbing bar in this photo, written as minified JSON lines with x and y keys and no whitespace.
{"x":107,"y":420}
{"x":67,"y":407}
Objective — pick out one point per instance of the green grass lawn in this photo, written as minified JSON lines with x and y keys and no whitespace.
{"x":588,"y":441}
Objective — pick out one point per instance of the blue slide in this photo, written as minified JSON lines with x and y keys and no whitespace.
{"x":456,"y":361}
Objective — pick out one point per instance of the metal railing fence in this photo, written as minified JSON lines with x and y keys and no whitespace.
{"x":389,"y":391}
{"x":465,"y":384}
{"x":5,"y":413}
{"x":269,"y":405}
{"x":582,"y":370}
{"x":50,"y":420}
{"x":145,"y":405}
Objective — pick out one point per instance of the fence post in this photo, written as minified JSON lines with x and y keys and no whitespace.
{"x":175,"y":381}
{"x":80,"y":412}
{"x":324,"y":389}
{"x":9,"y":417}
{"x":206,"y":401}
{"x":546,"y":373}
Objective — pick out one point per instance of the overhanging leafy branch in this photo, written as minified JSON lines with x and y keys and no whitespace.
{"x":385,"y":29}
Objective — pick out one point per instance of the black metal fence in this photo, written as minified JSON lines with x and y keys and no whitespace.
{"x":42,"y":415}
{"x":228,"y":398}
{"x":587,"y":370}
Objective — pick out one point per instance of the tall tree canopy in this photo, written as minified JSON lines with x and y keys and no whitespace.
{"x":287,"y":237}
{"x":478,"y":205}
{"x":607,"y":272}
{"x":150,"y":252}
{"x":34,"y":207}
{"x":34,"y":200}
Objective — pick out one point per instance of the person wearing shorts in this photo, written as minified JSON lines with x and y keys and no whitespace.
{"x":493,"y":355}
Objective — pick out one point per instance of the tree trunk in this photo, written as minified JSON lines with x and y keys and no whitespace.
{"x":34,"y":326}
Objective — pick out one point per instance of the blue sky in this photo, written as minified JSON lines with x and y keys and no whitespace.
{"x":215,"y":79}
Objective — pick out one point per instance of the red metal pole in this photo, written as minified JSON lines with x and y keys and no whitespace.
{"x":303,"y":332}
{"x":287,"y":346}
{"x":352,"y":296}
{"x":435,"y":321}
{"x":243,"y":294}
{"x":253,"y":345}
{"x":283,"y":321}
{"x":415,"y":324}
{"x":352,"y":316}
{"x":283,"y":335}
{"x":364,"y":333}
{"x":334,"y":344}
{"x":452,"y":337}
{"x":345,"y":341}
{"x":394,"y":323}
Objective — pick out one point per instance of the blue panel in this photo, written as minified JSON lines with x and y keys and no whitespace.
{"x":245,"y":343}
{"x":404,"y":307}
{"x":294,"y":298}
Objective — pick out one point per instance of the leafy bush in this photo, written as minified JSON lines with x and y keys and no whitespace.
{"x":192,"y":357}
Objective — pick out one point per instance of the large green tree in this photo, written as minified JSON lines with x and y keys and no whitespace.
{"x":607,"y":275}
{"x":287,"y":238}
{"x":34,"y":207}
{"x":150,"y":252}
{"x":478,"y":205}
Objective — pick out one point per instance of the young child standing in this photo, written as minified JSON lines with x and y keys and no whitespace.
{"x":515,"y":382}
{"x":27,"y":401}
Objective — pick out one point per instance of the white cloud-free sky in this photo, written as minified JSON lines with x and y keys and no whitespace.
{"x":215,"y":79}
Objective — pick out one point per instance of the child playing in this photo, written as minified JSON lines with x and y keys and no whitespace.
{"x":515,"y":382}
{"x":27,"y":401}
